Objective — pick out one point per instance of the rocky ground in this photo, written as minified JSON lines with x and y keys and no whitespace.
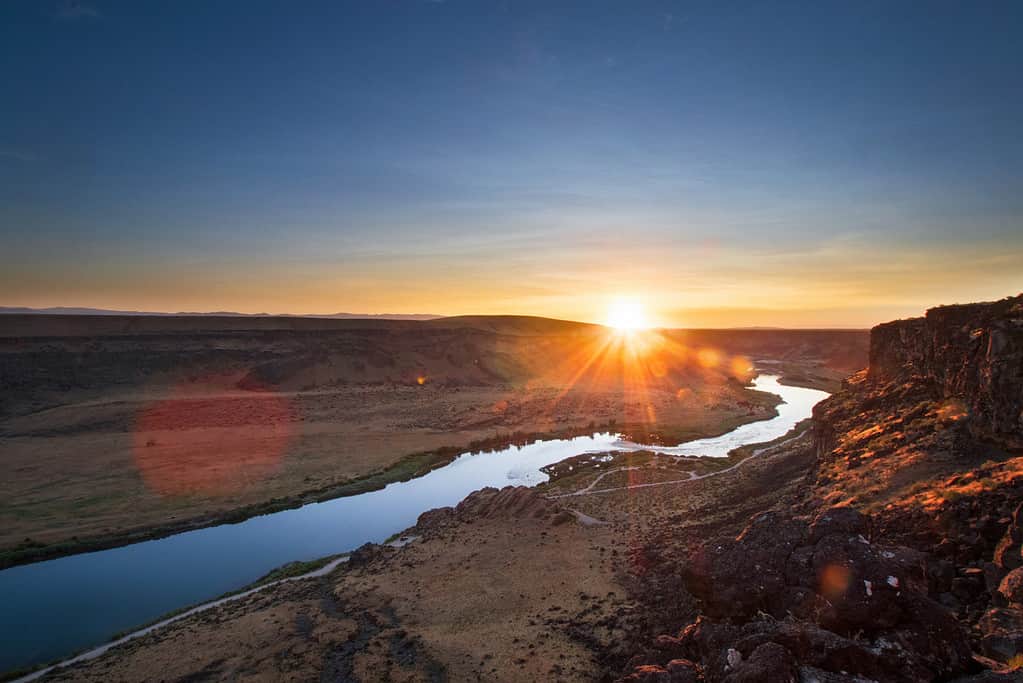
{"x":899,"y":556}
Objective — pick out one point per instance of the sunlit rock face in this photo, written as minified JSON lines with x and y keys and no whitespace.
{"x":971,"y":353}
{"x":900,"y":556}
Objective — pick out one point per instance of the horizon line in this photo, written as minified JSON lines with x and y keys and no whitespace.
{"x":84,"y":311}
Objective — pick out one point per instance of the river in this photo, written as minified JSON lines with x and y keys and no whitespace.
{"x":56,"y":607}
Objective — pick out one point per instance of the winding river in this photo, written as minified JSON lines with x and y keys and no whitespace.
{"x":53,"y":608}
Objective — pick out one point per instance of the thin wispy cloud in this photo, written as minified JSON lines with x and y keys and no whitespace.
{"x":73,"y":10}
{"x":18,"y":155}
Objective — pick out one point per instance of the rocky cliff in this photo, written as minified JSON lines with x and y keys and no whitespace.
{"x":970,"y":353}
{"x":900,"y":557}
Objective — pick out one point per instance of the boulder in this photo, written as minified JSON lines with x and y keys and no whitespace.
{"x":864,"y":584}
{"x":1011,"y":587}
{"x":675,"y":671}
{"x":1009,"y":551}
{"x":739,"y":577}
{"x":1002,"y":633}
{"x":768,"y":662}
{"x":726,"y":650}
{"x":940,"y":574}
{"x":365,"y":554}
{"x":647,"y":673}
{"x":683,"y":671}
{"x":837,"y":520}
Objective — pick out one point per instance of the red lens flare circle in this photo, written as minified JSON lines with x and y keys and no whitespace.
{"x":206,"y":439}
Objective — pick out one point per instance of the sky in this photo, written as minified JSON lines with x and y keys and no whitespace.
{"x":820,"y":164}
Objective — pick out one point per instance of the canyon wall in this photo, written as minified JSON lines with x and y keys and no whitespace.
{"x":971,"y":354}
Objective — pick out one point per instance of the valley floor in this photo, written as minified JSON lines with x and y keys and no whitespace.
{"x":105,"y":472}
{"x":510,"y":585}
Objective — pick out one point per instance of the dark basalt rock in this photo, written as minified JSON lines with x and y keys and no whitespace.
{"x":829,"y":594}
{"x":1002,"y":631}
{"x":365,"y":554}
{"x":991,"y":677}
{"x":724,"y":648}
{"x":1009,"y":552}
{"x":785,"y":594}
{"x":738,"y":577}
{"x":768,"y":662}
{"x":435,"y":519}
{"x":972,"y":353}
{"x":837,"y":520}
{"x":683,"y":671}
{"x":1011,"y":587}
{"x":676,"y":671}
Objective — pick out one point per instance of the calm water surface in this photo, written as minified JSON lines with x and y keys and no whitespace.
{"x":53,"y":608}
{"x":798,"y":405}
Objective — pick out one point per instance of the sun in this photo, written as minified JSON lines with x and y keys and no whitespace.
{"x":626,"y":314}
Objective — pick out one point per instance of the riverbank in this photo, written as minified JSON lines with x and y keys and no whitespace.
{"x":562,"y":475}
{"x":408,"y":467}
{"x":581,"y":474}
{"x":701,"y":412}
{"x":436,"y":597}
{"x":483,"y":469}
{"x":293,"y":571}
{"x":118,"y":430}
{"x":81,"y":490}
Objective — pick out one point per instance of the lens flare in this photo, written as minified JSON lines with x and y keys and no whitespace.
{"x":199,"y":440}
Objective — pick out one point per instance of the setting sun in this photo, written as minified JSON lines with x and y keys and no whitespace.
{"x":626,"y":314}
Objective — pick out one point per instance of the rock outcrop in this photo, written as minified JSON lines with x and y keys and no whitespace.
{"x":489,"y":503}
{"x":970,"y":353}
{"x":902,"y":560}
{"x":788,"y":597}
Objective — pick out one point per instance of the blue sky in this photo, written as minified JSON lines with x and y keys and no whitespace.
{"x":727,"y":163}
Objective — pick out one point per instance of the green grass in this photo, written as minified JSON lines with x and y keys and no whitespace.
{"x":291,"y":569}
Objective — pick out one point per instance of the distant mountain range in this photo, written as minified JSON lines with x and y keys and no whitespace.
{"x":74,"y":310}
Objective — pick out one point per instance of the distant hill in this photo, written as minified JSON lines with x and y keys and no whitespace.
{"x":74,"y":310}
{"x":515,"y":324}
{"x":44,"y":323}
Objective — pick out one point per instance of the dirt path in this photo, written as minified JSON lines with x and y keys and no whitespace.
{"x":595,"y":482}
